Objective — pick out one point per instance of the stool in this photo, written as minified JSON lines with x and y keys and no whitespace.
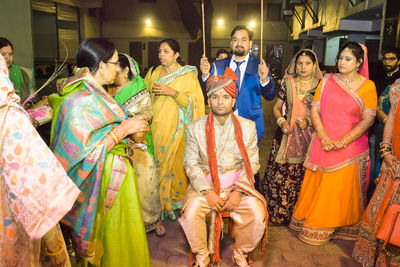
{"x":225,"y":214}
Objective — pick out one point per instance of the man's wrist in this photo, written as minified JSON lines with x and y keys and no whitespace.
{"x":205,"y":192}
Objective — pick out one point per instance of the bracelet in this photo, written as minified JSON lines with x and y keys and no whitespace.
{"x":309,"y":121}
{"x":346,"y":139}
{"x":116,"y":135}
{"x":386,"y":153}
{"x":57,"y":252}
{"x":322,"y":134}
{"x":385,"y":143}
{"x":343,"y":142}
{"x":280,"y":120}
{"x":113,"y":137}
{"x":384,"y":120}
{"x":175,"y":95}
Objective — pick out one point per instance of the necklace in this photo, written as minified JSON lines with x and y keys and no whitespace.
{"x":304,"y":82}
{"x":348,"y":81}
{"x":300,"y":90}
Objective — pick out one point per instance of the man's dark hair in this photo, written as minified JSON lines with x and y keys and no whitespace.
{"x":242,"y":27}
{"x":392,"y":50}
{"x":222,"y":51}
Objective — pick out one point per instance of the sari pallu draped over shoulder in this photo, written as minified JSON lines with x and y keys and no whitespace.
{"x":83,"y":116}
{"x":337,"y":122}
{"x":168,"y":126}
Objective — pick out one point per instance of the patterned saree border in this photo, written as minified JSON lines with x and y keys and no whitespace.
{"x":339,"y":80}
{"x":362,"y":173}
{"x":335,"y":167}
{"x":316,"y":235}
{"x":296,"y":224}
{"x":117,"y":177}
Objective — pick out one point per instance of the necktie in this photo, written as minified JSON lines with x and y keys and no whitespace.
{"x":237,"y":72}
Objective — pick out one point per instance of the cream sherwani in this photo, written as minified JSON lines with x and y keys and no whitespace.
{"x":249,"y":216}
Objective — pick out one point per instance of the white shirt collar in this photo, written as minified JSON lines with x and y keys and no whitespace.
{"x":246,"y":58}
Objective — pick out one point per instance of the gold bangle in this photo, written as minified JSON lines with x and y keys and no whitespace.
{"x":113,"y":137}
{"x":175,"y":95}
{"x":57,"y":252}
{"x":322,"y":134}
{"x":116,"y":135}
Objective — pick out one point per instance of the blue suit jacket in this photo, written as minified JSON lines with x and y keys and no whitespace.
{"x":248,"y":100}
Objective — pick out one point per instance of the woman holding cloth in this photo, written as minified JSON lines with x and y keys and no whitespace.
{"x":333,"y":194}
{"x":88,"y":137}
{"x":285,"y":171}
{"x":177,"y":100}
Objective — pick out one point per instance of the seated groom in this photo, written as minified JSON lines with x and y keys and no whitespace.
{"x":221,"y":157}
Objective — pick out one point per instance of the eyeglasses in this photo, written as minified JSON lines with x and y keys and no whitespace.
{"x":389,"y":59}
{"x":114,"y":63}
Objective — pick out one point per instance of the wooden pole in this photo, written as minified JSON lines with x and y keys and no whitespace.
{"x":204,"y":28}
{"x":262,"y":29}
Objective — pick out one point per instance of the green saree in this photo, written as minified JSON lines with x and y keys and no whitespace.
{"x":106,"y":220}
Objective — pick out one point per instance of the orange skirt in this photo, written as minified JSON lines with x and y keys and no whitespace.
{"x":328,"y":201}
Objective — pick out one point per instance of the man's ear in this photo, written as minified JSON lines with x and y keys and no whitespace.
{"x":233,"y":102}
{"x":208,"y":101}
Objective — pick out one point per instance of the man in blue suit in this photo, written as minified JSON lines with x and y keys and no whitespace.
{"x":254,"y":78}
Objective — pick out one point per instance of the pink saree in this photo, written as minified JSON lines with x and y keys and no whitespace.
{"x":338,"y":122}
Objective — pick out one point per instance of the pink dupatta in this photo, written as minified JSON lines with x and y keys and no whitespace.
{"x":341,"y":110}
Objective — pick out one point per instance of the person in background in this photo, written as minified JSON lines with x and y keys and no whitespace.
{"x":221,"y":54}
{"x":254,"y":76}
{"x":129,"y":90}
{"x":333,"y":194}
{"x":35,"y":190}
{"x":89,"y":136}
{"x":177,"y":99}
{"x":20,"y":77}
{"x":391,"y":63}
{"x":285,"y":171}
{"x":369,"y":250}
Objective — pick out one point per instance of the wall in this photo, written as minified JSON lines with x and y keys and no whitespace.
{"x":16,"y":25}
{"x":89,"y":26}
{"x":129,"y":24}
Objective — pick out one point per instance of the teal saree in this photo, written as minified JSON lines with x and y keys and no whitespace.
{"x":106,"y":220}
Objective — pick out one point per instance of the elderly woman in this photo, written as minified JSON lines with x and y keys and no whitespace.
{"x":369,"y":250}
{"x":35,"y":190}
{"x":177,"y":100}
{"x":333,"y":193}
{"x":129,"y":90}
{"x":285,"y":171}
{"x":89,"y":137}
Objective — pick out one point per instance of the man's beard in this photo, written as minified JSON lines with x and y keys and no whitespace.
{"x":390,"y":68}
{"x":239,"y":53}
